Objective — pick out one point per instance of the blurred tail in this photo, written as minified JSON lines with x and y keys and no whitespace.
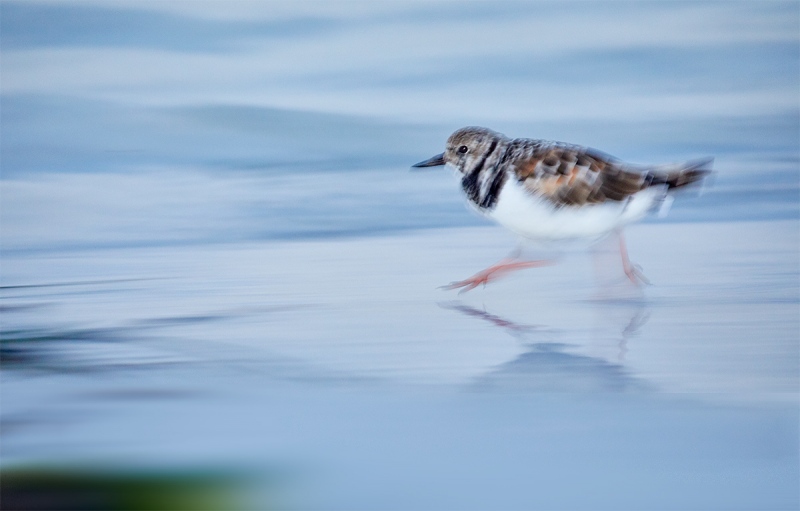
{"x":681,"y":174}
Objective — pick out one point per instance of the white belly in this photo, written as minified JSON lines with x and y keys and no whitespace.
{"x":537,"y":219}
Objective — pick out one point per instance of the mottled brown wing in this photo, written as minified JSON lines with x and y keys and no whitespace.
{"x":569,"y":175}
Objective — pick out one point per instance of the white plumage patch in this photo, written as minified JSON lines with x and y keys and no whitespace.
{"x":537,"y":218}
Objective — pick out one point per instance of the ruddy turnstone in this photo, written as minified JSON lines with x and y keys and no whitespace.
{"x":551,"y":191}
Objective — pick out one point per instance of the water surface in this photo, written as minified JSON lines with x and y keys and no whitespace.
{"x":215,"y":259}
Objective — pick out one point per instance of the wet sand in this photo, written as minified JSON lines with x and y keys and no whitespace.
{"x":340,"y":365}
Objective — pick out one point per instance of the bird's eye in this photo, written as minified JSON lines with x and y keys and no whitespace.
{"x":463,"y":149}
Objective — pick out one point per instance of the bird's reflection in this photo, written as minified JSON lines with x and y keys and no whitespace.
{"x":554,"y":360}
{"x":636,"y":322}
{"x":510,"y":326}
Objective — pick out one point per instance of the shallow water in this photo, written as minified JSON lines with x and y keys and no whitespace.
{"x":340,"y":366}
{"x":215,"y":258}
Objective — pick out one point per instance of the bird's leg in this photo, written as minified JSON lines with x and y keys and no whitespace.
{"x":507,"y":265}
{"x":633,"y":271}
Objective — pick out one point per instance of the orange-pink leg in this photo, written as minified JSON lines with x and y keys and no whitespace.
{"x":492,"y":273}
{"x":633,"y":271}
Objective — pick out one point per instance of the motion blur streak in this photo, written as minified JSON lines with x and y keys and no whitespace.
{"x":219,"y":279}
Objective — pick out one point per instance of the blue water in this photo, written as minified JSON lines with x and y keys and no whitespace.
{"x":214,"y":252}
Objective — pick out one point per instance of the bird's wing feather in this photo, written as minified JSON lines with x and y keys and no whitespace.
{"x":574,"y":175}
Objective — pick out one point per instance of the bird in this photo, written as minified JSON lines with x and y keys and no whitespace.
{"x":548,"y":191}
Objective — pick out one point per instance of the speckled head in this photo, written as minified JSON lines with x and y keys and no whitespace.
{"x":467,"y":149}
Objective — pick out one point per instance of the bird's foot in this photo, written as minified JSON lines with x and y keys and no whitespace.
{"x":635,"y":274}
{"x":491,"y":273}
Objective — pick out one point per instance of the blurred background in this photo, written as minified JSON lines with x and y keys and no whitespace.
{"x":218,"y":277}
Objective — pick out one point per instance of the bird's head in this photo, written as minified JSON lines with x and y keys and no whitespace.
{"x":466,"y":150}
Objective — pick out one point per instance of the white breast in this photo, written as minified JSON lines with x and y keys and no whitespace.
{"x":535,"y":218}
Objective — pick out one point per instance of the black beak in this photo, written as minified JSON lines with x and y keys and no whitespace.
{"x":431,"y":162}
